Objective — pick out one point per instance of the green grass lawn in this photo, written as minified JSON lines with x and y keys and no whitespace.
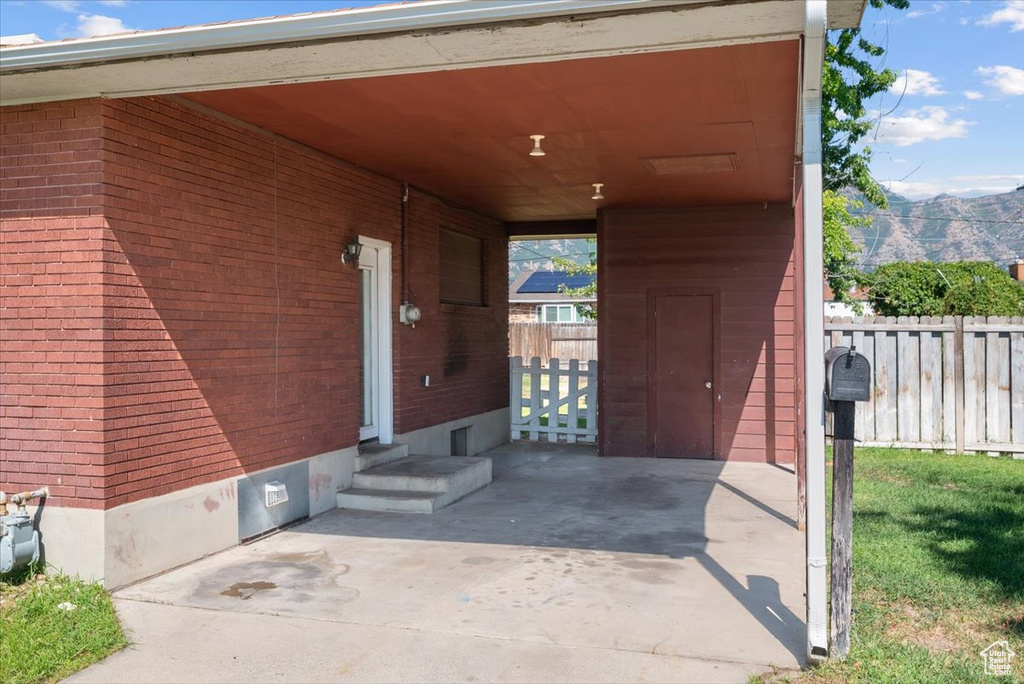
{"x":40,"y":642}
{"x":938,"y":568}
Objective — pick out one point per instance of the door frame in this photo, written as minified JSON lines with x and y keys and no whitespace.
{"x":384,"y":341}
{"x":716,"y":362}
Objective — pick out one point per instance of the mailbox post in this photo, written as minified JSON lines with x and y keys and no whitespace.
{"x":847,"y":380}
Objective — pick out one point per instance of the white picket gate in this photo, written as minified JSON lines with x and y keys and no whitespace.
{"x":554,"y":402}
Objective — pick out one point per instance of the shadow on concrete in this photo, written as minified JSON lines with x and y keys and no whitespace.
{"x":561,"y":496}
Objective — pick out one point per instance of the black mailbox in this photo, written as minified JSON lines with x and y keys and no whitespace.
{"x":847,"y":375}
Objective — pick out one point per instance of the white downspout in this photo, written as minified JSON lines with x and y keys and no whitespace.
{"x":814,"y":333}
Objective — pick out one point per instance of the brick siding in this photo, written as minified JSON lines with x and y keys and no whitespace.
{"x":51,"y":301}
{"x":221,"y":330}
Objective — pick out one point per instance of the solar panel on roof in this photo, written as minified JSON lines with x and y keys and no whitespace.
{"x":545,"y":282}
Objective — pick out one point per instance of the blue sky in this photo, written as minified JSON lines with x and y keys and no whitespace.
{"x":957,"y":126}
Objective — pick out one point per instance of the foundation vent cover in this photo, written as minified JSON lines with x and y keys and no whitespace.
{"x":691,"y":165}
{"x":276,"y":493}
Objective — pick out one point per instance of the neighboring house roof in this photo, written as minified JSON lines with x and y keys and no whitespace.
{"x":545,"y":286}
{"x":21,"y":39}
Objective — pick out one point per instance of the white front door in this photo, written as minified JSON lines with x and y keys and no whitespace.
{"x":375,"y":340}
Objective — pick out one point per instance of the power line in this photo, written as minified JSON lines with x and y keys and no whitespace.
{"x":520,"y":246}
{"x":912,"y":238}
{"x":554,"y":256}
{"x":940,"y":218}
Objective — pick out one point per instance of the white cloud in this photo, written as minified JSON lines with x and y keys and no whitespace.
{"x":916,"y":82}
{"x":64,"y":5}
{"x":961,"y":186}
{"x":973,"y":95}
{"x":1007,"y":80}
{"x":935,"y":9}
{"x":90,"y":25}
{"x":927,"y":123}
{"x":114,"y":3}
{"x":1011,"y":13}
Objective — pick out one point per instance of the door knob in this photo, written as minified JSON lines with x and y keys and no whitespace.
{"x":708,"y":384}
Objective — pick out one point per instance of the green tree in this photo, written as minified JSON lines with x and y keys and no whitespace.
{"x":964,"y":288}
{"x":587,"y":311}
{"x":839,"y":249}
{"x":850,"y":78}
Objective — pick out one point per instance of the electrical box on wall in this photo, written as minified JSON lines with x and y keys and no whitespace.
{"x":409,"y":314}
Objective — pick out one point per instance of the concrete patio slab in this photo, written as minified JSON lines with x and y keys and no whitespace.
{"x":568,"y":567}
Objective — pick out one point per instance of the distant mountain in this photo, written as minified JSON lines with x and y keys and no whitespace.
{"x":944,"y":228}
{"x":536,"y":254}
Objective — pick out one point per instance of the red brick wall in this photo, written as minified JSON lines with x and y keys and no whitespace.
{"x":745,"y":252}
{"x":51,"y":301}
{"x":464,"y":349}
{"x":230,"y":334}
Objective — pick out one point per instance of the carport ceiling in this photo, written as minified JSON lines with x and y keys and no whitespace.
{"x":464,"y":134}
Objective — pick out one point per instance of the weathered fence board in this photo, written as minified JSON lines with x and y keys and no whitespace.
{"x":553,"y":340}
{"x":933,"y":391}
{"x":546,"y":400}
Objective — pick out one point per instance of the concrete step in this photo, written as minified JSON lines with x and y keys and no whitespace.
{"x":371,"y":455}
{"x":416,"y":484}
{"x":389,"y":501}
{"x":427,"y":474}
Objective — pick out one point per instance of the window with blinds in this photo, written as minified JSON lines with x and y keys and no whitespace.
{"x":462,"y":269}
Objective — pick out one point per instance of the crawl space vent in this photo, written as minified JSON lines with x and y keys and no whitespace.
{"x":276,"y":493}
{"x":692,"y":164}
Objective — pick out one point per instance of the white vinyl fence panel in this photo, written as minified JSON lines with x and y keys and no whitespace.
{"x":952,"y":383}
{"x":556,"y":402}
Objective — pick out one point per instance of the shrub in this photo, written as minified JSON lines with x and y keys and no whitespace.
{"x":964,"y":288}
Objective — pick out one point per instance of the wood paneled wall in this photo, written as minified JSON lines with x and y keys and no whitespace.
{"x":746,"y":254}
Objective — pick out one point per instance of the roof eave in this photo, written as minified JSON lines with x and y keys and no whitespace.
{"x":423,"y":15}
{"x":428,"y":14}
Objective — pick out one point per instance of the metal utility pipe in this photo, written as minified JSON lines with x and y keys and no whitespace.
{"x":405,"y":243}
{"x":22,"y":498}
{"x":814,"y":332}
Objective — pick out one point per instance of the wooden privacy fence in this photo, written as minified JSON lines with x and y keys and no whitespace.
{"x":553,"y":340}
{"x":556,"y":403}
{"x":952,"y":383}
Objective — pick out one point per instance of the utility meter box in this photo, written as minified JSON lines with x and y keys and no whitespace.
{"x":847,"y":375}
{"x":19,"y":543}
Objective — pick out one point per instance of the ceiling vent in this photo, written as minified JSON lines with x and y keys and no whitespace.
{"x":691,"y":164}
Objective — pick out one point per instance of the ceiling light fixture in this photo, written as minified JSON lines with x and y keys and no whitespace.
{"x":597,"y":191}
{"x":537,"y":151}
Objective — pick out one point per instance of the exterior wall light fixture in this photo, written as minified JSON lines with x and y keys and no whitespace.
{"x":352,"y":251}
{"x":597,"y":191}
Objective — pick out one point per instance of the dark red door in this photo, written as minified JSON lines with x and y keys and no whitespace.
{"x":681,"y":366}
